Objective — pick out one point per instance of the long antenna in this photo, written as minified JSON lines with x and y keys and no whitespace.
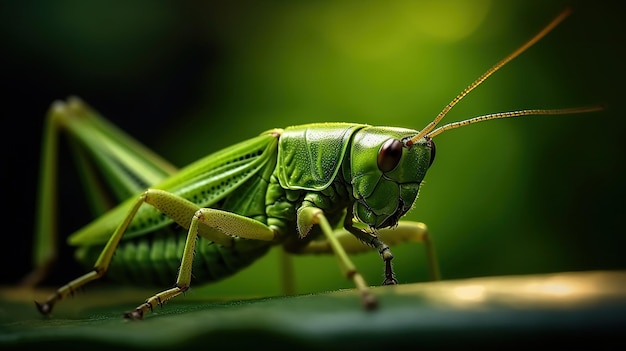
{"x":558,"y":19}
{"x":563,"y":111}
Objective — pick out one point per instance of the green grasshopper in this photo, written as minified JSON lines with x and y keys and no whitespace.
{"x":317,"y":188}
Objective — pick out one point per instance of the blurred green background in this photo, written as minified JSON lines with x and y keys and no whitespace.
{"x":532,"y":195}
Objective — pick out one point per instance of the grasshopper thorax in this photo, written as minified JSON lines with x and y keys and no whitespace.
{"x":386,"y":173}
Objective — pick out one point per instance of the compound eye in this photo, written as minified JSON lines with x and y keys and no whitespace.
{"x":389,"y":155}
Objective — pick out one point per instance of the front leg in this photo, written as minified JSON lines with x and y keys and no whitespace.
{"x":371,"y":239}
{"x":405,"y":231}
{"x":308,"y":216}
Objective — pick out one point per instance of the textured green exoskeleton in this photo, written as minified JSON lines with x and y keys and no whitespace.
{"x":317,"y":188}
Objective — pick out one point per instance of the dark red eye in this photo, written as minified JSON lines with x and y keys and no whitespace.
{"x":389,"y":155}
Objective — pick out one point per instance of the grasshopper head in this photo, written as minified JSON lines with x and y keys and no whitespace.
{"x":386,"y":173}
{"x":389,"y":164}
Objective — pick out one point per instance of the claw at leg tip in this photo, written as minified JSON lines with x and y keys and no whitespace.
{"x":370,"y":302}
{"x":133,"y":315}
{"x":44,"y":308}
{"x":390,"y":281}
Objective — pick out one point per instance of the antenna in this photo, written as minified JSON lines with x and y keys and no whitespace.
{"x":427,"y":130}
{"x":563,"y":111}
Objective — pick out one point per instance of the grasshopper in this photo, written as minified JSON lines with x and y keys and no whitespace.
{"x":316,"y":188}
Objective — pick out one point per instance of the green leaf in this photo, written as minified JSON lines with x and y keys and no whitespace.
{"x":575,"y":309}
